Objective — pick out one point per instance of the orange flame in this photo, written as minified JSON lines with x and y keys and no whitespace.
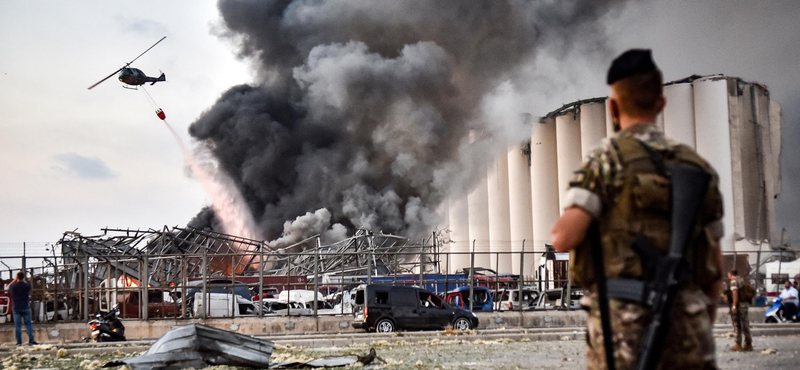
{"x":127,"y":281}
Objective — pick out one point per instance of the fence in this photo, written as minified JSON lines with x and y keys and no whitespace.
{"x":78,"y":285}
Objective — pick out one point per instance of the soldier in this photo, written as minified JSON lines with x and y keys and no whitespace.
{"x":624,"y":185}
{"x":739,"y":317}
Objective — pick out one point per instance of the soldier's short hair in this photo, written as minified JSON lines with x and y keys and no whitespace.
{"x":20,"y":275}
{"x":734,"y":272}
{"x":639,"y":94}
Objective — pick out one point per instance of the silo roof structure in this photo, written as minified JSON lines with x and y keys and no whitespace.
{"x":731,"y":122}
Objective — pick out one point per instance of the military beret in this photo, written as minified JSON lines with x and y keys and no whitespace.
{"x":631,"y":62}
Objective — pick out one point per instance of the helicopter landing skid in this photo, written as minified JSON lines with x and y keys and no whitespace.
{"x":130,"y":88}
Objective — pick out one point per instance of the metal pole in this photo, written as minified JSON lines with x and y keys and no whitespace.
{"x":288,"y":285}
{"x":144,"y":282}
{"x":422,"y":266}
{"x":497,"y":275}
{"x":758,"y":267}
{"x":780,"y":266}
{"x":471,"y":275}
{"x":204,"y":300}
{"x":24,"y":257}
{"x":569,"y":289}
{"x":447,"y":274}
{"x":85,"y":300}
{"x":55,"y":286}
{"x":233,"y":286}
{"x":369,"y":261}
{"x":261,"y":282}
{"x":316,"y":278}
{"x":341,"y":282}
{"x":521,"y":272}
{"x":184,"y":281}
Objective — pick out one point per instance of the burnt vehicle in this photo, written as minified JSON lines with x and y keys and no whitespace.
{"x":386,"y":309}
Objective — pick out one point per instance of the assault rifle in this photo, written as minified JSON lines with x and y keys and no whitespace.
{"x":689,"y":187}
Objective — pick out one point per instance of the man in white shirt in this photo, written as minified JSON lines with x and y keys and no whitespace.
{"x":789,"y":298}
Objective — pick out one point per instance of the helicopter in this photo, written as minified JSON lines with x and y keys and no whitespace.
{"x":134,"y":76}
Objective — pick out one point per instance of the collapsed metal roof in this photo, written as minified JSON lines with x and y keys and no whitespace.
{"x":163,"y":254}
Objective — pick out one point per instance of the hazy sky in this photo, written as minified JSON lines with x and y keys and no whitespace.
{"x":72,"y":158}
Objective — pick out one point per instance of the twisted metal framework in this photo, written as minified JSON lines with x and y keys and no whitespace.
{"x":164,"y":256}
{"x":165,"y":250}
{"x":364,"y":253}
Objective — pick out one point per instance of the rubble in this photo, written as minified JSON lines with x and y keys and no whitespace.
{"x":197,"y":346}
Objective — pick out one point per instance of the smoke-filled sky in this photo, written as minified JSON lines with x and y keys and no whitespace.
{"x":364,"y":103}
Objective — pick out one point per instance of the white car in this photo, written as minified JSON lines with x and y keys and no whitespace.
{"x":508,"y":299}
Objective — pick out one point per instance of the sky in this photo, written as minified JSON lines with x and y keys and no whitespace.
{"x":87,"y":159}
{"x":73,"y":158}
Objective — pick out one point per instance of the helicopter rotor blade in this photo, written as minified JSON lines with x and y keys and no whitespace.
{"x":109,"y":76}
{"x":148,"y":49}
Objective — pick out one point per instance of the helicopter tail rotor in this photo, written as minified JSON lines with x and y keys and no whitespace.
{"x":161,"y":78}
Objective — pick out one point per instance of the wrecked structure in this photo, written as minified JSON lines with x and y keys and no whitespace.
{"x":172,"y":253}
{"x":155,"y":268}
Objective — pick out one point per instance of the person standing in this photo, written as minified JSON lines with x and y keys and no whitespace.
{"x":20,"y":297}
{"x":789,"y":300}
{"x":624,"y":187}
{"x":739,"y":316}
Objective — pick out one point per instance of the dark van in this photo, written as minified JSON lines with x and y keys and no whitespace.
{"x":385,"y":309}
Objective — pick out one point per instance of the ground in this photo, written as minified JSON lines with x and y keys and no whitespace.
{"x":457,"y":354}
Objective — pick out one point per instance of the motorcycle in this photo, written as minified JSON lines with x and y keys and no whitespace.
{"x":776,"y":312}
{"x":107,"y":327}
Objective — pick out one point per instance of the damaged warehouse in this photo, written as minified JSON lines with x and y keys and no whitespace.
{"x":154,"y":268}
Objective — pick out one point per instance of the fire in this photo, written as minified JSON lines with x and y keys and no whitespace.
{"x":127,"y":281}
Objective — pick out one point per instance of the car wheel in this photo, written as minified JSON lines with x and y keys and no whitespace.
{"x":770,"y":320}
{"x":384,"y":326}
{"x":462,"y":324}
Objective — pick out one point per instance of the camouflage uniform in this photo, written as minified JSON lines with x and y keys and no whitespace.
{"x":595,"y":188}
{"x":740,"y":319}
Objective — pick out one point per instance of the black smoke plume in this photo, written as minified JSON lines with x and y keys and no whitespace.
{"x":364,"y":107}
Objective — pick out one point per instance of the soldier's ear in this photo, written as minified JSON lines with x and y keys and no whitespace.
{"x":662,"y":103}
{"x":613,"y":106}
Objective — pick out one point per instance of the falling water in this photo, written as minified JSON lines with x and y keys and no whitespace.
{"x":226,"y":200}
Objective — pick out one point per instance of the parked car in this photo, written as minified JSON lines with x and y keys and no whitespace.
{"x":508,"y":299}
{"x":267,"y":292}
{"x":278,"y":307}
{"x":5,"y":308}
{"x":45,"y":311}
{"x":459,"y":298}
{"x":555,"y":299}
{"x":390,"y":308}
{"x":220,"y":286}
{"x":221,"y":305}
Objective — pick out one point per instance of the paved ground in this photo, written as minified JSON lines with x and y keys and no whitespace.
{"x":454,"y":353}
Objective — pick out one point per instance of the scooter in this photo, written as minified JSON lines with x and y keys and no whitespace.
{"x":776,"y":312}
{"x":107,"y":327}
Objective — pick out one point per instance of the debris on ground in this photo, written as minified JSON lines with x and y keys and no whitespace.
{"x":62,"y":353}
{"x":769,"y":351}
{"x":198,"y":346}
